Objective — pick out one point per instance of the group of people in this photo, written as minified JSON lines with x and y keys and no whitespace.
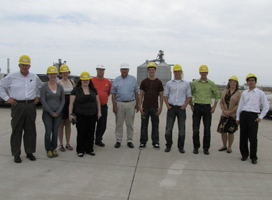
{"x":85,"y":104}
{"x":63,"y":102}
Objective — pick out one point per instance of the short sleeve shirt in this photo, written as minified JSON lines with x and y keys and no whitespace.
{"x":151,"y":89}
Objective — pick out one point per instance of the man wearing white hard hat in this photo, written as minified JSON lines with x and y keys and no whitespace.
{"x":125,"y":101}
{"x":103,"y":87}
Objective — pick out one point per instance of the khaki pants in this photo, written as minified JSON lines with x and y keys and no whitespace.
{"x":126,"y":113}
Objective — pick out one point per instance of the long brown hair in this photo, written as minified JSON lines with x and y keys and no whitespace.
{"x":237,"y":85}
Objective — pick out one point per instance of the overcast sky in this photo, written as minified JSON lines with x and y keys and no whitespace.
{"x":231,"y":37}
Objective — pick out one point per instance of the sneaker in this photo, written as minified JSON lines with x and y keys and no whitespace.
{"x":142,"y":145}
{"x":54,"y":152}
{"x":157,"y":146}
{"x":50,"y":154}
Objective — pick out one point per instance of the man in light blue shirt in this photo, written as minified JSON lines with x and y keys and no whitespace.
{"x":124,"y":92}
{"x":177,"y":95}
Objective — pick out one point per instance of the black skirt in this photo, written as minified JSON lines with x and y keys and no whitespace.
{"x":65,"y":110}
{"x":227,"y":125}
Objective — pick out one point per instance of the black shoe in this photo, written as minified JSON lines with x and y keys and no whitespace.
{"x":130,"y":145}
{"x":182,"y":150}
{"x":91,"y":153}
{"x":206,"y":151}
{"x":117,"y":145}
{"x":243,"y":158}
{"x":142,"y":145}
{"x":101,"y":144}
{"x":195,"y":151}
{"x":156,"y":146}
{"x":31,"y":157}
{"x":254,"y":161}
{"x":167,"y":149}
{"x":229,"y":151}
{"x":17,"y":159}
{"x":223,"y":149}
{"x":80,"y":155}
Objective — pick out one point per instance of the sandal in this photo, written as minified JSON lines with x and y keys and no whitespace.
{"x":69,"y":147}
{"x":62,"y":148}
{"x":80,"y":155}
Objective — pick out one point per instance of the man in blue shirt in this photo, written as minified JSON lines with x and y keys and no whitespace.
{"x":177,"y":95}
{"x":124,"y":92}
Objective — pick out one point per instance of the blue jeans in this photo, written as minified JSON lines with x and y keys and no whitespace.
{"x":205,"y":112}
{"x":51,"y":125}
{"x":172,"y":113}
{"x":155,"y":126}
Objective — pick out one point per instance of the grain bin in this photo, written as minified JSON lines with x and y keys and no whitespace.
{"x":163,"y":71}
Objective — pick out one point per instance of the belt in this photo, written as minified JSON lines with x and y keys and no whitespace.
{"x":174,"y":106}
{"x":103,"y":105}
{"x":25,"y":101}
{"x":126,"y":101}
{"x":197,"y":104}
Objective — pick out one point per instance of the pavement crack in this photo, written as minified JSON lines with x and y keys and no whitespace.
{"x":134,"y":174}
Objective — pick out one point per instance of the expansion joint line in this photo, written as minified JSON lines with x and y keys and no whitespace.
{"x":134,"y":175}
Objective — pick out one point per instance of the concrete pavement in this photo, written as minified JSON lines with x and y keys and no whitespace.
{"x":133,"y":174}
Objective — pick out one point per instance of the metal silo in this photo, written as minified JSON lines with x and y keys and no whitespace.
{"x":141,"y":72}
{"x":163,"y":71}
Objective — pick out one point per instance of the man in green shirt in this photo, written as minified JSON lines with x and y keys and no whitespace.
{"x":203,"y":90}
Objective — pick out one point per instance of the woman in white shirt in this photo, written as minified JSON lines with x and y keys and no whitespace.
{"x":68,"y":86}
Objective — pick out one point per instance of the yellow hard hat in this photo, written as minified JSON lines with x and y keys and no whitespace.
{"x":64,"y":68}
{"x":203,"y":68}
{"x":52,"y":70}
{"x":25,"y":60}
{"x":233,"y":77}
{"x":151,"y":64}
{"x":250,"y":75}
{"x":177,"y":67}
{"x":85,"y":76}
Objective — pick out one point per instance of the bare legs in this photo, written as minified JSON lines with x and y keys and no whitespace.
{"x":67,"y":124}
{"x":227,"y":138}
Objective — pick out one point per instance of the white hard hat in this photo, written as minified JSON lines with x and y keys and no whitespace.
{"x":124,"y":65}
{"x":100,"y":66}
